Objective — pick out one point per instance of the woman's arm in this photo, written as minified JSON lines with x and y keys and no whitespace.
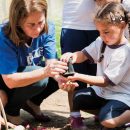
{"x":22,"y":79}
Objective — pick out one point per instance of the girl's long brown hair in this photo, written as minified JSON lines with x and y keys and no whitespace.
{"x":19,"y":10}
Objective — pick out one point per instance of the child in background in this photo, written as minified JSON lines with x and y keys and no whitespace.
{"x":110,"y":92}
{"x":78,"y":31}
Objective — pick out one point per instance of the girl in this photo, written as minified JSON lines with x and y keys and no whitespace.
{"x":28,"y":53}
{"x":110,"y":92}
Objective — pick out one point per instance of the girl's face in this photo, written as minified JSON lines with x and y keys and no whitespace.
{"x":34,"y":24}
{"x":102,"y":2}
{"x":110,"y":34}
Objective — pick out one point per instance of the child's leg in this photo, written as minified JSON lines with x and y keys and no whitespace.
{"x":70,"y":99}
{"x":122,"y":119}
{"x":114,"y":114}
{"x":85,"y":99}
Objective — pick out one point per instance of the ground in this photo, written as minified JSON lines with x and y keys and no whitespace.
{"x":56,"y":106}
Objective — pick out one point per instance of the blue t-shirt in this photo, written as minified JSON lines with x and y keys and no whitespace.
{"x":12,"y":56}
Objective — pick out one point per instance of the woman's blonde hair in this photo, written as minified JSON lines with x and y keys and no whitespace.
{"x":19,"y":10}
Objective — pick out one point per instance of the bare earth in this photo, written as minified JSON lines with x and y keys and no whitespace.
{"x":56,"y":106}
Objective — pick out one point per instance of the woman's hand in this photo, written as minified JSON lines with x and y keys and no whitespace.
{"x":55,"y":68}
{"x":65,"y":57}
{"x":66,"y":84}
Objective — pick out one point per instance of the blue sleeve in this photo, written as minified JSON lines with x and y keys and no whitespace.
{"x":8,"y":56}
{"x":50,"y":43}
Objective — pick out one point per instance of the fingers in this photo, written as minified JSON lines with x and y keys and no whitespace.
{"x":11,"y":125}
{"x":61,"y":65}
{"x":55,"y":68}
{"x":65,"y":57}
{"x":66,"y":84}
{"x":58,"y":67}
{"x":69,"y":86}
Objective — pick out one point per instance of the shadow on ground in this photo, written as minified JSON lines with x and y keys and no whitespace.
{"x":58,"y":122}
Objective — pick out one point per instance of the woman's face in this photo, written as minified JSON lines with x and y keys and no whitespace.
{"x":33,"y":24}
{"x":110,"y":34}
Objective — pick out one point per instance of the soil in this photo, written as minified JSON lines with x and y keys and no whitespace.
{"x":56,"y":106}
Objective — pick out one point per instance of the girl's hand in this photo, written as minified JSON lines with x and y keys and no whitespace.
{"x":65,"y":57}
{"x":66,"y":85}
{"x":74,"y":77}
{"x":55,"y":68}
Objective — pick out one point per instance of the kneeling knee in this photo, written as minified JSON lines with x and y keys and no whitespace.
{"x":109,"y":123}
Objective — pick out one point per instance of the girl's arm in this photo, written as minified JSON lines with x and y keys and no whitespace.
{"x":77,"y":57}
{"x":93,"y":80}
{"x":80,"y":57}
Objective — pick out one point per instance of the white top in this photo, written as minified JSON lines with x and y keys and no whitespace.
{"x":79,"y":14}
{"x":115,"y":67}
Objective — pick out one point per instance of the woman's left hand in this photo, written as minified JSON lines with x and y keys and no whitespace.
{"x":66,"y":84}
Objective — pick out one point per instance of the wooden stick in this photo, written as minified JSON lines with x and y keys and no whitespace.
{"x":3,"y":114}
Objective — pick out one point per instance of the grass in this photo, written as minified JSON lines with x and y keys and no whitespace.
{"x":58,"y":33}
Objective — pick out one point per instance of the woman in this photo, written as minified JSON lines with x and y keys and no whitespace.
{"x":29,"y":69}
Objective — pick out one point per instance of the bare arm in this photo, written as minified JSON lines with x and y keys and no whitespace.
{"x":80,"y":57}
{"x":93,"y":80}
{"x":77,"y":57}
{"x":22,"y":79}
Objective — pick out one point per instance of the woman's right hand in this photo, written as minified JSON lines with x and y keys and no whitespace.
{"x":55,"y":68}
{"x":66,"y":56}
